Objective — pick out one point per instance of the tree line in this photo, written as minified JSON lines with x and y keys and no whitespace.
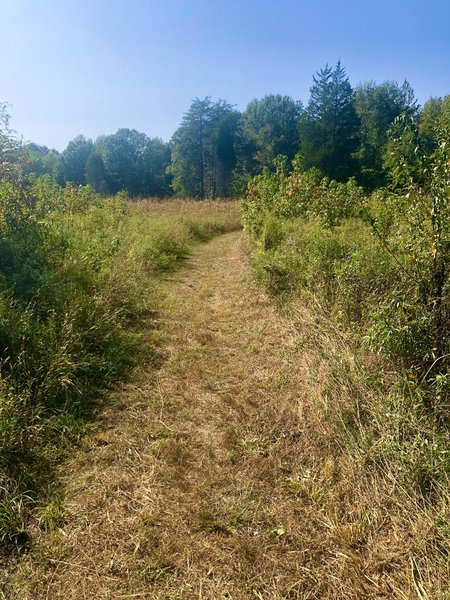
{"x":342,"y":131}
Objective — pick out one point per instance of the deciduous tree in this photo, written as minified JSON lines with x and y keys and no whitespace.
{"x":377,"y":107}
{"x":71,"y":166}
{"x":203,"y":155}
{"x":270,"y":128}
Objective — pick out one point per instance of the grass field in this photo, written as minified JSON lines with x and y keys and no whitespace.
{"x":244,"y":466}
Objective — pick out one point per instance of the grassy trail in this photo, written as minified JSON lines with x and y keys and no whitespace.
{"x":202,"y":483}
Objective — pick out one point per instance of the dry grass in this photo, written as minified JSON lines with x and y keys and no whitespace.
{"x":221,"y":475}
{"x":174,"y":206}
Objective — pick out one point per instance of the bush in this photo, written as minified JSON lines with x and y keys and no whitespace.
{"x":377,"y":266}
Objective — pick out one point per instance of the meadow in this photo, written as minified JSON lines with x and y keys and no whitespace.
{"x":341,"y":373}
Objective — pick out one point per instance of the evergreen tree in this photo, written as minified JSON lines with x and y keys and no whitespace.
{"x":190,"y":150}
{"x":329,"y":126}
{"x":224,"y":126}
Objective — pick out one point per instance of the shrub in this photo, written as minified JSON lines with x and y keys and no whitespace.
{"x":378,"y":266}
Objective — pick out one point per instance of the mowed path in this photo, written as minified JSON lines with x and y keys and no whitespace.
{"x":195,"y":486}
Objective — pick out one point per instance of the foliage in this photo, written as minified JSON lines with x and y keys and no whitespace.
{"x":40,"y":160}
{"x":402,"y":233}
{"x":71,"y":166}
{"x":295,"y":193}
{"x":203,"y":150}
{"x":329,"y":127}
{"x":125,"y":161}
{"x":377,"y":107}
{"x":216,"y":149}
{"x":378,"y":266}
{"x":269,"y":127}
{"x":11,"y":155}
{"x":95,"y":170}
{"x":132,"y":162}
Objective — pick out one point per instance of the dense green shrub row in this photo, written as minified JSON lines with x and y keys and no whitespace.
{"x":77,"y":276}
{"x":378,"y":266}
{"x":380,"y":261}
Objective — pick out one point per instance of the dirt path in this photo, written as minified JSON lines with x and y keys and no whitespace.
{"x":195,"y":487}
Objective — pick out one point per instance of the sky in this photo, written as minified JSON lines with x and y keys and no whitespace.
{"x":70,"y":67}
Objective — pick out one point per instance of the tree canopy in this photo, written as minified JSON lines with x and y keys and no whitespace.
{"x":216,"y":150}
{"x":377,"y":107}
{"x":270,"y":128}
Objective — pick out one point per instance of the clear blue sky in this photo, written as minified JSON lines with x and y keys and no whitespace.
{"x":92,"y":66}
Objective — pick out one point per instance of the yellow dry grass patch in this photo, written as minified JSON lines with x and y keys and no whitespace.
{"x":218,"y":476}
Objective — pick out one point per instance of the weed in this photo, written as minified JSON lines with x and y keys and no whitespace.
{"x":53,"y":514}
{"x":158,"y":573}
{"x":374,"y":273}
{"x":13,"y":507}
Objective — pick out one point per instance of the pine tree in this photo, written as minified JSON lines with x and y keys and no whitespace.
{"x":329,"y":126}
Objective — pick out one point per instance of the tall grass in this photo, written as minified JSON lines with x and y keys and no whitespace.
{"x":78,"y":275}
{"x":375,"y":268}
